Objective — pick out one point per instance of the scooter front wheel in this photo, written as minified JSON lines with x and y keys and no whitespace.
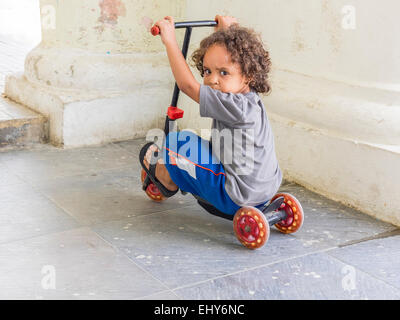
{"x":152,"y":191}
{"x":251,"y":227}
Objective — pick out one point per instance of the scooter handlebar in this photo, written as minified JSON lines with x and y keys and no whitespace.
{"x":155,"y":30}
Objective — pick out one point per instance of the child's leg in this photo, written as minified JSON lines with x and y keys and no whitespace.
{"x":194,"y":169}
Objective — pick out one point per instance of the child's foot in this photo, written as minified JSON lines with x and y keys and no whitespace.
{"x":162,"y":173}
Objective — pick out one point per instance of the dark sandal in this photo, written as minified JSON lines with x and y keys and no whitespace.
{"x":151,"y":172}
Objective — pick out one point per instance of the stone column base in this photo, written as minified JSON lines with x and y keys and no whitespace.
{"x":94,"y":99}
{"x":92,"y":120}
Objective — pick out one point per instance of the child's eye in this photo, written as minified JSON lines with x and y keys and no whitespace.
{"x":224,"y":73}
{"x":207,"y":72}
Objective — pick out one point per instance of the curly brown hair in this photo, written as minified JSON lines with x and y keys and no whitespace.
{"x":246,"y":48}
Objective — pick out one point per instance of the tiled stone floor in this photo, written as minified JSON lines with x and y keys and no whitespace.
{"x":75,"y":224}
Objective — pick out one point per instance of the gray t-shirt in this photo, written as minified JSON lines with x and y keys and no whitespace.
{"x":243,"y":141}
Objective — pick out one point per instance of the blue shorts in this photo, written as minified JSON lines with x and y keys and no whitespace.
{"x":194,"y":169}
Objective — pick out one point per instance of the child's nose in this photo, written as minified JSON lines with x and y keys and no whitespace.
{"x":214,"y":79}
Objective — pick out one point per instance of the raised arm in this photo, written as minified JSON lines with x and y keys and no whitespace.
{"x":183,"y":76}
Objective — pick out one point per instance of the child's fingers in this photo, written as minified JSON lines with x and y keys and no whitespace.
{"x":158,"y":23}
{"x":166,"y":29}
{"x":169,"y":19}
{"x":166,"y":20}
{"x":224,"y":22}
{"x":161,"y":24}
{"x":218,"y":20}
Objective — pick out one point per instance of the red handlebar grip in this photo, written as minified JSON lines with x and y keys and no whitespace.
{"x":155,"y":31}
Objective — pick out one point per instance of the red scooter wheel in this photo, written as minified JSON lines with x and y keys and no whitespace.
{"x":294,"y":211}
{"x":251,"y":227}
{"x":152,"y":191}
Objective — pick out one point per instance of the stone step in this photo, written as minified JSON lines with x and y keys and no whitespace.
{"x":19,"y":126}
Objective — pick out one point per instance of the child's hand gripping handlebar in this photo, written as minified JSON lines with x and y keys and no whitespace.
{"x":189,"y":24}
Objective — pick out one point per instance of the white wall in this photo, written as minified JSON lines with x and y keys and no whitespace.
{"x":311,"y":37}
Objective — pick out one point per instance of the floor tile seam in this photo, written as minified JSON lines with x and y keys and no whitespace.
{"x":363,"y":216}
{"x":94,"y":147}
{"x":31,"y":147}
{"x":361,"y":270}
{"x":349,"y":215}
{"x":89,"y":148}
{"x":100,"y":171}
{"x":42,"y":235}
{"x":9,"y":41}
{"x":127,"y":150}
{"x":18,"y":147}
{"x":253,"y":268}
{"x":395,"y":231}
{"x":2,"y":110}
{"x":65,"y":211}
{"x":18,"y":110}
{"x":117,"y":250}
{"x":116,"y":143}
{"x":16,"y":55}
{"x":13,"y":184}
{"x":97,"y":224}
{"x":32,"y":183}
{"x":92,"y":225}
{"x":58,"y":206}
{"x":55,"y":149}
{"x":79,"y":224}
{"x":121,"y":252}
{"x":38,"y":190}
{"x":17,"y":122}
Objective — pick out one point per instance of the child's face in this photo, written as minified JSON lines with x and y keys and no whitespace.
{"x":221,"y":73}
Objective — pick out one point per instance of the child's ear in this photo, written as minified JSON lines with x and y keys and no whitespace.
{"x":252,"y":84}
{"x":249,"y":81}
